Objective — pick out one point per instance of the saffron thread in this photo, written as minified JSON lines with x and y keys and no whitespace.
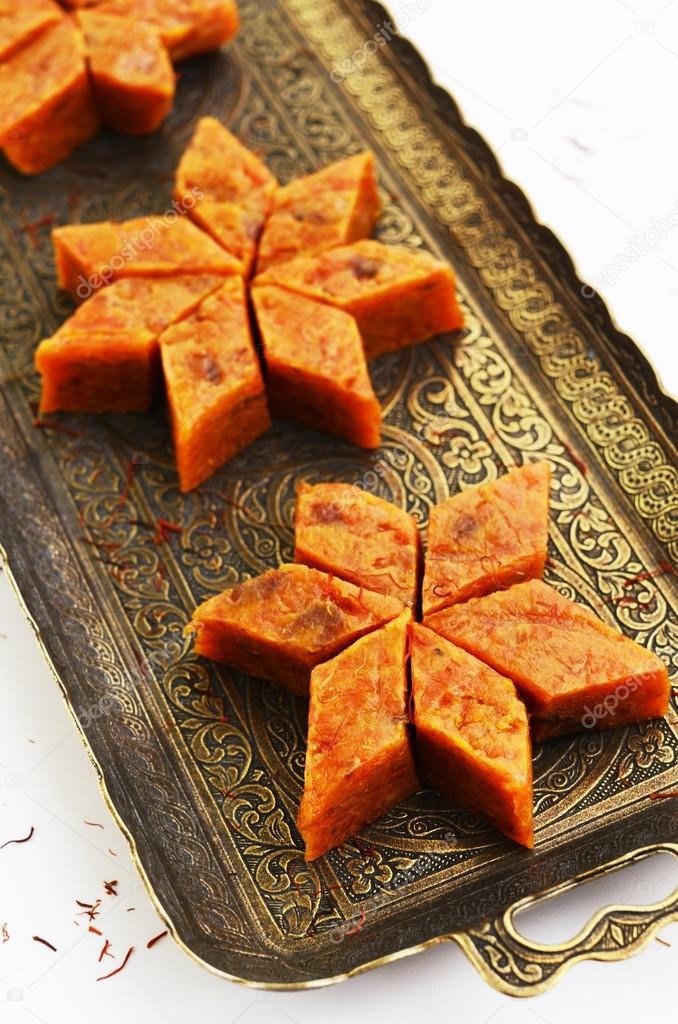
{"x":120,"y":968}
{"x":17,"y":841}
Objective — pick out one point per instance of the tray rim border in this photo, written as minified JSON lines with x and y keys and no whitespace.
{"x":669,"y":402}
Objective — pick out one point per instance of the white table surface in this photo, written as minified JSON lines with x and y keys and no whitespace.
{"x":580,"y":102}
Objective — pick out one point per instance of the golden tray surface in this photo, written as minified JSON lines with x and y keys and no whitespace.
{"x":203,"y":768}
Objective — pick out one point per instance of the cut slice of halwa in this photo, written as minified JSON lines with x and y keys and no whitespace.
{"x":232,"y":189}
{"x":334,"y":206}
{"x":105,"y":357}
{"x":22,"y":22}
{"x":398,"y":296}
{"x":90,"y":256}
{"x":315,"y":366}
{"x":187,"y":27}
{"x":359,"y":760}
{"x":472,"y":734}
{"x":343,"y":530}
{"x":573,"y":671}
{"x":46,"y":102}
{"x":131,"y":71}
{"x":214,"y":385}
{"x":280,"y":625}
{"x":487,"y":537}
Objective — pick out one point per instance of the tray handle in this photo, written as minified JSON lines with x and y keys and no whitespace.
{"x":518,"y":967}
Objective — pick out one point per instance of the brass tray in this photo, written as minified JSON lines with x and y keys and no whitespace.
{"x":203,"y":768}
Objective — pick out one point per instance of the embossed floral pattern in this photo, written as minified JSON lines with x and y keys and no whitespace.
{"x":646,"y":748}
{"x":467,"y":455}
{"x":364,"y":872}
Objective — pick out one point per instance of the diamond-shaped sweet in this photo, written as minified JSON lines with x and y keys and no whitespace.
{"x":21,"y":22}
{"x":105,"y":357}
{"x":342,"y":529}
{"x":91,"y":256}
{"x":473,"y":737}
{"x":315,"y":366}
{"x":359,"y":759}
{"x":215,"y":390}
{"x":487,"y":537}
{"x":46,"y":103}
{"x":334,"y":206}
{"x":132,"y":74}
{"x":186,"y":28}
{"x":280,"y":625}
{"x":234,"y":189}
{"x":398,"y":296}
{"x":573,"y":671}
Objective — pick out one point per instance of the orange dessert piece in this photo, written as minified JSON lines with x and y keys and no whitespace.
{"x":334,"y":206}
{"x":359,"y":760}
{"x":237,"y":189}
{"x":187,"y":27}
{"x":315,"y":366}
{"x":573,"y":671}
{"x":487,"y":537}
{"x":472,"y":735}
{"x":398,"y":296}
{"x":131,"y":71}
{"x":215,"y":390}
{"x":22,"y":21}
{"x":90,"y":371}
{"x":89,"y":256}
{"x":282,"y":624}
{"x":340,"y":529}
{"x":46,"y":103}
{"x":105,"y":357}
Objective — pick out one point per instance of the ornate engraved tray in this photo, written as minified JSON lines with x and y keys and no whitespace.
{"x":203,"y":768}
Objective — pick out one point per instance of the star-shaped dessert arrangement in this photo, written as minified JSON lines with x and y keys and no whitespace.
{"x":451,"y":702}
{"x":254,"y":300}
{"x":65,"y":68}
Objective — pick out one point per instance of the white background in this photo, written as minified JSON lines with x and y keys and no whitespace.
{"x":579,"y":100}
